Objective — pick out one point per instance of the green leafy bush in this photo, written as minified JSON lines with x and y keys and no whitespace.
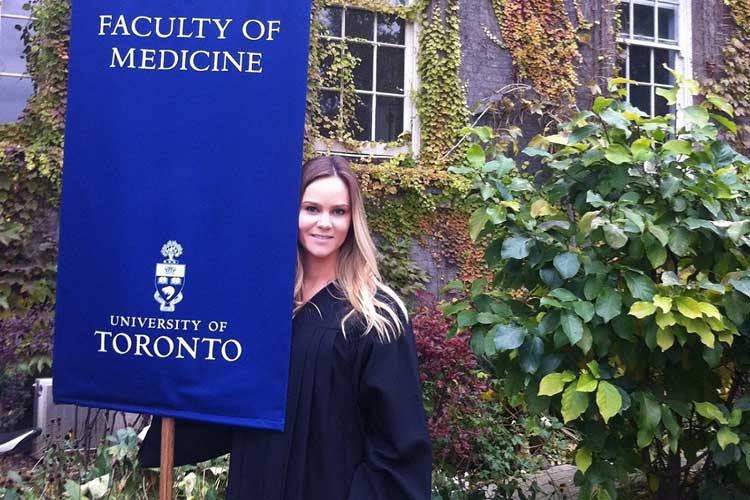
{"x":112,"y":472}
{"x":620,"y":290}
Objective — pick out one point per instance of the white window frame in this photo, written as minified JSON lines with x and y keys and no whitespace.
{"x":683,"y":48}
{"x":410,"y":117}
{"x":22,"y":19}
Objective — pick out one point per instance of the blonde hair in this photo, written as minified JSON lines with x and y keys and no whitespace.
{"x":357,"y":272}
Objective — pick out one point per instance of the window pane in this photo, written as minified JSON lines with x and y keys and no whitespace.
{"x":360,"y":24}
{"x":661,"y":57}
{"x":640,"y":97}
{"x":640,"y":63}
{"x":363,"y":70}
{"x":13,"y":95}
{"x":11,"y":47}
{"x":390,"y":70}
{"x":15,"y":7}
{"x":667,"y":24}
{"x":330,"y":20}
{"x":389,"y":118}
{"x":643,"y":17}
{"x":662,"y":108}
{"x":625,"y":18}
{"x":363,"y":114}
{"x":390,"y":29}
{"x":329,"y":106}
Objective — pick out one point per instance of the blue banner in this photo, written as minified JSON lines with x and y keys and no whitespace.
{"x":178,"y":222}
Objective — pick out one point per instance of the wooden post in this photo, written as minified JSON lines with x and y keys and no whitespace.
{"x":166,"y":464}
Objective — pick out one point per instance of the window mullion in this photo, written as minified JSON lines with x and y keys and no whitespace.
{"x":652,"y":82}
{"x":632,"y":19}
{"x":374,"y":77}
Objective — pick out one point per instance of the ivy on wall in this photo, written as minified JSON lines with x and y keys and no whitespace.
{"x":540,"y":36}
{"x":441,"y":101}
{"x":30,"y":167}
{"x":734,"y":84}
{"x":407,"y":197}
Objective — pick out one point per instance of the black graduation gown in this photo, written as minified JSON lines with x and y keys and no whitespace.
{"x":355,"y":424}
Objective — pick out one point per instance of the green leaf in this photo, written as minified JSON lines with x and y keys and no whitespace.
{"x":601,"y":103}
{"x":584,"y":309}
{"x":726,"y":122}
{"x":664,"y":338}
{"x":710,"y":411}
{"x":508,"y":337}
{"x":640,"y":286}
{"x":516,"y":248}
{"x":466,"y":319}
{"x":567,"y":264}
{"x":615,"y":119}
{"x":541,"y":208}
{"x":688,"y":307}
{"x":563,"y":294}
{"x":608,"y":400}
{"x":553,"y":383}
{"x":725,"y":437}
{"x":477,"y":221}
{"x":742,"y":286}
{"x":669,"y":94}
{"x":667,"y":417}
{"x":738,"y":229}
{"x":583,"y":459}
{"x":658,"y":232}
{"x":679,"y":242}
{"x":530,"y":354}
{"x":669,"y":187}
{"x":644,"y":438}
{"x":586,"y":224}
{"x":593,"y":285}
{"x":678,"y":146}
{"x":641,"y":149}
{"x":586,"y":383}
{"x":709,"y":310}
{"x":596,"y":200}
{"x":696,"y":114}
{"x":642,"y":309}
{"x":649,"y":414}
{"x":720,"y":103}
{"x":608,"y":304}
{"x":487,"y":318}
{"x":663,"y":303}
{"x":574,"y":403}
{"x":614,"y":236}
{"x":618,"y":154}
{"x":572,"y":326}
{"x":669,"y":278}
{"x":475,"y":155}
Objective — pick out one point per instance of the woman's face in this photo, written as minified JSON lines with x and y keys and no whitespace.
{"x":324,"y":218}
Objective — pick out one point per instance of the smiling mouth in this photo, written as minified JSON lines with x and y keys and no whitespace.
{"x":321,"y":237}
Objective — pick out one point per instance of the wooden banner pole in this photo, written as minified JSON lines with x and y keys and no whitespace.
{"x":166,"y":471}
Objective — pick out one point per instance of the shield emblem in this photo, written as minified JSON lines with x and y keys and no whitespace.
{"x":169,"y":281}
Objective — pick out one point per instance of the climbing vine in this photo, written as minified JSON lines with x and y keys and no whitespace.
{"x":540,"y":36}
{"x":734,"y":85}
{"x":441,"y":102}
{"x":30,"y":167}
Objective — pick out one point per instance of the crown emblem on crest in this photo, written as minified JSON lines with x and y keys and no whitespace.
{"x":169,"y":278}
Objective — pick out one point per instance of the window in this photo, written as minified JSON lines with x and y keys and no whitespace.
{"x":15,"y":83}
{"x":653,"y":34}
{"x":384,"y":45}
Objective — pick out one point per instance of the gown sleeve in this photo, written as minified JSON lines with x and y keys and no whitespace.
{"x":398,"y":458}
{"x":193,"y":442}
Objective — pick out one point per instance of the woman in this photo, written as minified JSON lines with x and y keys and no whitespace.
{"x":355,"y":425}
